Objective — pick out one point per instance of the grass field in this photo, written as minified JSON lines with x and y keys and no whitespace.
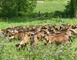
{"x":51,"y":6}
{"x":39,"y":52}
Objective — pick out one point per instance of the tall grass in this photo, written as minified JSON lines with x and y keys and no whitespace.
{"x":39,"y":52}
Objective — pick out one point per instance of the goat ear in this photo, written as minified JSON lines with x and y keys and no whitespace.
{"x":9,"y":30}
{"x":16,"y":31}
{"x":70,"y":26}
{"x":72,"y":30}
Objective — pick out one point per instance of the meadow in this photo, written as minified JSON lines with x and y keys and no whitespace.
{"x":39,"y":52}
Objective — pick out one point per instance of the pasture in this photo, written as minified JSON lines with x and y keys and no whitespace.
{"x":39,"y":52}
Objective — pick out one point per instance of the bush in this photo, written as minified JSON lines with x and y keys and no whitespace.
{"x":71,"y":8}
{"x":10,"y":8}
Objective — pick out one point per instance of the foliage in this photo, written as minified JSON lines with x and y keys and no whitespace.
{"x":10,"y":8}
{"x":71,"y":8}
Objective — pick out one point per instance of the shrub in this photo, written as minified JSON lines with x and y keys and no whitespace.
{"x":71,"y":8}
{"x":9,"y":8}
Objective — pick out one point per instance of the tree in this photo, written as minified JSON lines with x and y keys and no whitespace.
{"x":71,"y":8}
{"x":75,"y":7}
{"x":10,"y":8}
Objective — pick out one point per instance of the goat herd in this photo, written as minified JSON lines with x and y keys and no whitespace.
{"x":58,"y":34}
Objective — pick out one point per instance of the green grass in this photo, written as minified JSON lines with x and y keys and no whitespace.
{"x":39,"y":52}
{"x":50,"y":52}
{"x":51,"y":6}
{"x":34,"y":22}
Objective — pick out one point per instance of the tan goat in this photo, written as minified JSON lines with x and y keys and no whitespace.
{"x":62,"y":37}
